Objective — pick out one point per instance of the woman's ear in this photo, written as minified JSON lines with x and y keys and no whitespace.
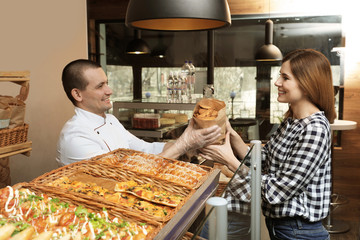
{"x":76,"y":94}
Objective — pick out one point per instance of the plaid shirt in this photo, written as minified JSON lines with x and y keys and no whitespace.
{"x":296,"y":172}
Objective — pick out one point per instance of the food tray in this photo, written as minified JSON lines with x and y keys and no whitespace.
{"x":14,"y":135}
{"x":97,"y":206}
{"x":177,"y":226}
{"x":121,"y":153}
{"x":105,"y":176}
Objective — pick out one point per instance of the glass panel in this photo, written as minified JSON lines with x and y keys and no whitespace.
{"x":236,"y":72}
{"x":242,"y":216}
{"x":120,"y":81}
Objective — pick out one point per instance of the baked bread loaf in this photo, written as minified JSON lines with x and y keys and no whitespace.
{"x":177,"y":118}
{"x":181,"y":118}
{"x":167,"y":121}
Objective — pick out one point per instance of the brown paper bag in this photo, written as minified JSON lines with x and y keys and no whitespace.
{"x":17,"y":110}
{"x":209,"y":112}
{"x":5,"y":115}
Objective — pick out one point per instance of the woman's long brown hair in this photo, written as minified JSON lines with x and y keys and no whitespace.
{"x":313,"y":71}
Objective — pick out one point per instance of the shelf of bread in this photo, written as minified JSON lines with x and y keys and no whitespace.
{"x":163,"y":194}
{"x":13,"y":129}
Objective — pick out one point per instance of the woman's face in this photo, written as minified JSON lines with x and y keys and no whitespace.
{"x":289,"y":90}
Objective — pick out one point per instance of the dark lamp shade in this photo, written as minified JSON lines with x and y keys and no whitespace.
{"x":178,"y":15}
{"x":268,"y":52}
{"x":159,"y":53}
{"x":137,"y":46}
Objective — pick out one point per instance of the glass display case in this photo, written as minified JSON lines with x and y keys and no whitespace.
{"x":125,"y":110}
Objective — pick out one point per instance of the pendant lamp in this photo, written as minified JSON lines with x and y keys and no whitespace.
{"x":137,"y":45}
{"x":178,"y":15}
{"x":268,"y":52}
{"x":159,"y":50}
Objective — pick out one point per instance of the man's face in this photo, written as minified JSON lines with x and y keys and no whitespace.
{"x":96,"y":97}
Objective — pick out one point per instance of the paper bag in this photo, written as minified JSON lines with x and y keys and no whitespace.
{"x":17,"y":110}
{"x":209,"y":112}
{"x":5,"y":115}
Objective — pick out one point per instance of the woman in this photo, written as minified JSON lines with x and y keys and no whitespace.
{"x":296,"y":180}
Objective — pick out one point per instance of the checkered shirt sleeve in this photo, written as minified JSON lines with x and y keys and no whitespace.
{"x":296,"y":179}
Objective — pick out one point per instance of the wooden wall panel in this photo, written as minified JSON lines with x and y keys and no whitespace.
{"x":247,"y":7}
{"x":107,"y":9}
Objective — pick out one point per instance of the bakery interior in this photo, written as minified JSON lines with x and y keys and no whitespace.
{"x":42,"y":37}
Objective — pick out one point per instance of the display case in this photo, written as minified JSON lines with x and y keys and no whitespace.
{"x":124,"y":111}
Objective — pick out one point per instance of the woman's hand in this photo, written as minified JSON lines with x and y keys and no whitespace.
{"x":221,"y":153}
{"x":237,"y":144}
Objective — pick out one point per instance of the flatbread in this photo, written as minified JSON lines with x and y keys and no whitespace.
{"x":150,"y":193}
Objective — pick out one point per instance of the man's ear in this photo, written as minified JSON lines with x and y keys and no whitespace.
{"x":76,"y":94}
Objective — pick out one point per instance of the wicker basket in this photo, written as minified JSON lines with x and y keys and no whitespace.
{"x":221,"y":189}
{"x":223,"y":181}
{"x":14,"y":135}
{"x":189,"y":236}
{"x":107,"y":174}
{"x":120,"y":153}
{"x":91,"y":204}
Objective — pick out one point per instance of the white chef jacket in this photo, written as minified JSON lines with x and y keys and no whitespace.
{"x":87,"y":135}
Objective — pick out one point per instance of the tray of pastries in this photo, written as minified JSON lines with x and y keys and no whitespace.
{"x":157,"y":167}
{"x":154,"y":198}
{"x":165,"y":191}
{"x":37,"y":212}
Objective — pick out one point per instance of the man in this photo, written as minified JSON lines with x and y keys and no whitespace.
{"x":91,"y":132}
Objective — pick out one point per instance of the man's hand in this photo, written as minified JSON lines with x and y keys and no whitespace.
{"x":197,"y":138}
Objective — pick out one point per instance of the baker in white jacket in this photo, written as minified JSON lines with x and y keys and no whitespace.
{"x":91,"y":132}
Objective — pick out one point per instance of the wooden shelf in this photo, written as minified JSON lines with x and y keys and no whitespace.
{"x":18,"y":77}
{"x":21,"y":78}
{"x":21,"y":148}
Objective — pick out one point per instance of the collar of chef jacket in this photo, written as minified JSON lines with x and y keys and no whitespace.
{"x":93,"y":120}
{"x":103,"y":129}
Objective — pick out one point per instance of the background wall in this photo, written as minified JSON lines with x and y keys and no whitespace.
{"x":41,"y":36}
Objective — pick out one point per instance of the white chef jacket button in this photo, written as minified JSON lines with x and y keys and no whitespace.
{"x":98,"y":132}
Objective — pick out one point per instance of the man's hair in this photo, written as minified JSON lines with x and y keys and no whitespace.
{"x":73,"y":76}
{"x":313,"y":71}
